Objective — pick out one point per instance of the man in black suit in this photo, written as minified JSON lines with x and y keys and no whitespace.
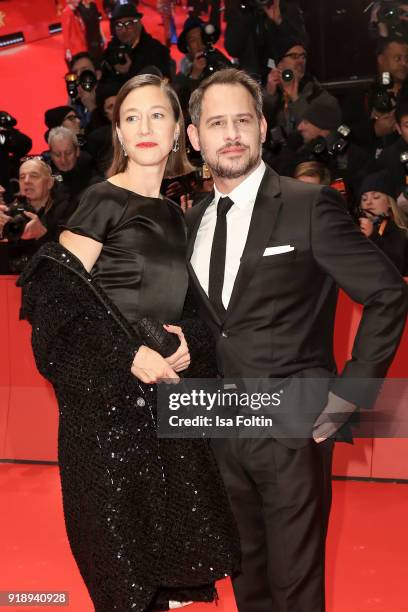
{"x":266,"y":254}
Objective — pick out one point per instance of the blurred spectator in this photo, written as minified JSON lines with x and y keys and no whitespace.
{"x":74,"y":166}
{"x":13,"y":146}
{"x":290,"y":89}
{"x":99,"y":144}
{"x":382,"y":221}
{"x":200,"y":60}
{"x":73,"y":30}
{"x":62,"y":115}
{"x":389,"y":19}
{"x":251,"y":33}
{"x":90,"y":17}
{"x":165,"y":10}
{"x":312,"y":172}
{"x":390,"y":158}
{"x":131,"y":47}
{"x":319,"y":130}
{"x":371,"y":115}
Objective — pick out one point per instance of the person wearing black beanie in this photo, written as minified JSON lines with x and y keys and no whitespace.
{"x":381,"y":220}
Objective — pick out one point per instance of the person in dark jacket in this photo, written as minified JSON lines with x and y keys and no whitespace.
{"x":138,"y":48}
{"x":382,"y":221}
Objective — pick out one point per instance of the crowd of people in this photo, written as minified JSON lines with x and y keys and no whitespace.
{"x":312,"y":135}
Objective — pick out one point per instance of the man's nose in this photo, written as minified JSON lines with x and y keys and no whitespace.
{"x":231,"y":130}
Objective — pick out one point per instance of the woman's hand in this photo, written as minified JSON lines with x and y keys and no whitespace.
{"x":180,"y":360}
{"x":366,"y":226}
{"x":150,"y":367}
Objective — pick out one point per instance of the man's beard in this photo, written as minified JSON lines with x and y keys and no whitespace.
{"x":231,"y":170}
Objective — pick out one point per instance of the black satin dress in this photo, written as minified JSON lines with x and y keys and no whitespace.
{"x":142,"y":263}
{"x":147,"y":519}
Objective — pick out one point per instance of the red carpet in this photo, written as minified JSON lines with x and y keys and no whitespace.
{"x":367,"y":563}
{"x":32,"y":76}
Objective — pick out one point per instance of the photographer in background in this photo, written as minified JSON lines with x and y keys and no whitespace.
{"x":131,"y":47}
{"x":289,"y":89}
{"x":253,"y":26}
{"x":13,"y":146}
{"x":389,"y":18}
{"x":82,"y":82}
{"x":201,"y":58}
{"x":382,"y":221}
{"x":394,"y":158}
{"x":34,"y":217}
{"x":371,"y":114}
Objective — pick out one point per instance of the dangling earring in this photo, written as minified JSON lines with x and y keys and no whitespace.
{"x":176,"y":145}
{"x":123,"y":146}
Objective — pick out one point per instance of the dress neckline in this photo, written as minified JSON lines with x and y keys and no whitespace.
{"x":139,"y":195}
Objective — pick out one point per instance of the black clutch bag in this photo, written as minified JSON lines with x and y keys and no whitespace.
{"x":153,"y":335}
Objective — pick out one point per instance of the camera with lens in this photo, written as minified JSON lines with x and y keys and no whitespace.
{"x":116,"y":54}
{"x":14,"y":229}
{"x":376,"y":220}
{"x":215,"y":61}
{"x":333,"y":146}
{"x":390,"y":14}
{"x":87,"y":80}
{"x":7,"y":122}
{"x":382,"y":98}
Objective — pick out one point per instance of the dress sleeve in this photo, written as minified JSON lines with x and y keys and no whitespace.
{"x":98,"y":213}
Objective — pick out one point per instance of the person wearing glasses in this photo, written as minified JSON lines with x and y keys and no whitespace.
{"x":65,"y":116}
{"x":131,"y":47}
{"x":290,"y":89}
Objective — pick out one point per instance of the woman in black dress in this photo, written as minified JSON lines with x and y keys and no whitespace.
{"x":147,"y":518}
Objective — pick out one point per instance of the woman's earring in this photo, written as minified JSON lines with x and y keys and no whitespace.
{"x":123,"y":147}
{"x":176,"y":145}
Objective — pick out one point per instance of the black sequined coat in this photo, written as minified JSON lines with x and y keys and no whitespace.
{"x":147,"y":518}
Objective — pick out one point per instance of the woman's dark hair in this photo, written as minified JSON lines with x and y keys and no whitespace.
{"x":177,"y":163}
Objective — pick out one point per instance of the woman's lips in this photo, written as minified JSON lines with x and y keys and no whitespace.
{"x":146,"y":145}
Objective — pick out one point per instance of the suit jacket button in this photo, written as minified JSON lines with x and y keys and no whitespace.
{"x":224,"y":334}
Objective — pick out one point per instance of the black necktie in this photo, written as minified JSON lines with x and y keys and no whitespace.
{"x":217,"y":260}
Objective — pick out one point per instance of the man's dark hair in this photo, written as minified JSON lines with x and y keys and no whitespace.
{"x":79,"y":56}
{"x":384,"y":43}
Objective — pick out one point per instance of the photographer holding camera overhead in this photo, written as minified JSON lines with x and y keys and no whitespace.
{"x":131,"y":47}
{"x":253,"y":27}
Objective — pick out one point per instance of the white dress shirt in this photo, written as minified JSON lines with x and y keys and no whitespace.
{"x":238,"y":221}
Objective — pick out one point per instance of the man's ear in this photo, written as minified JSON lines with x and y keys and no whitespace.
{"x":98,"y":74}
{"x":398,"y":128}
{"x":192,"y":132}
{"x":264,"y":128}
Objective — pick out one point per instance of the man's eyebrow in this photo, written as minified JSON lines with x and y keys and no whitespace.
{"x":237,"y":116}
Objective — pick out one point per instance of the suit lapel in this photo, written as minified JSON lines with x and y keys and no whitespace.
{"x":264,"y":217}
{"x":194,"y":225}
